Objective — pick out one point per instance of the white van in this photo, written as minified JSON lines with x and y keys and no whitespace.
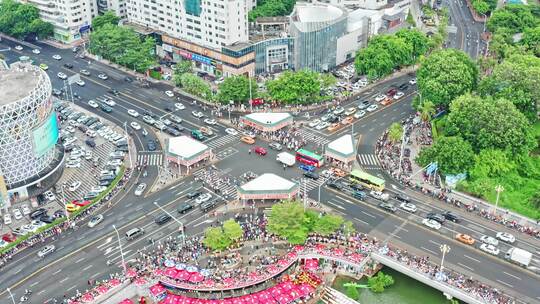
{"x":133,"y":233}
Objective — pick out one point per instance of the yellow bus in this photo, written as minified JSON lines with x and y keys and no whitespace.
{"x":367,"y":180}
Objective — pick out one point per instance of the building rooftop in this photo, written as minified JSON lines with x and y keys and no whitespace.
{"x":345,"y":145}
{"x":17,"y":82}
{"x":268,"y":182}
{"x":317,"y":13}
{"x":185,"y":147}
{"x":268,"y":118}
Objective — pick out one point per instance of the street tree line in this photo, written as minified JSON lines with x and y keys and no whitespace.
{"x":20,"y":20}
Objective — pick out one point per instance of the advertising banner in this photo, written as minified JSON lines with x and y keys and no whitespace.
{"x":3,"y":192}
{"x":46,"y":135}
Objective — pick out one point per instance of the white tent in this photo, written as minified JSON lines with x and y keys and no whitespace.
{"x":268,"y":186}
{"x":267,"y":122}
{"x":186,"y":150}
{"x":342,"y":149}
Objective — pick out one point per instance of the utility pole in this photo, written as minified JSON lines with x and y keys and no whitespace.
{"x":401,"y":151}
{"x":444,"y":250}
{"x":11,"y":296}
{"x":121,"y":251}
{"x":498,"y":189}
{"x":181,"y":227}
{"x":128,"y":140}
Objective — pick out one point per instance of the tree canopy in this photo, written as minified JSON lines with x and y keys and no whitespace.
{"x":395,"y":132}
{"x":488,"y":123}
{"x":19,"y":20}
{"x":109,"y":17}
{"x":124,"y":46}
{"x":232,"y":230}
{"x":295,"y":87}
{"x":445,"y":75}
{"x":452,"y":154}
{"x":220,"y":238}
{"x":379,"y":282}
{"x":195,"y":85}
{"x":236,"y":88}
{"x":514,"y":18}
{"x":271,"y":8}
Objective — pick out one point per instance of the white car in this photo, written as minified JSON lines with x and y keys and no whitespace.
{"x":372,"y":108}
{"x":379,"y":98}
{"x":314,"y":123}
{"x":169,"y":93}
{"x":19,"y":48}
{"x":46,"y":250}
{"x":140,"y":189}
{"x":80,"y":83}
{"x":98,"y":189}
{"x":37,"y":224}
{"x":96,"y":219}
{"x":36,"y":51}
{"x":135,"y":125}
{"x":57,"y":57}
{"x":91,"y":133}
{"x":398,"y":95}
{"x":197,"y":114}
{"x":412,"y":81}
{"x":231,"y":131}
{"x":179,"y":106}
{"x":339,"y":110}
{"x":103,"y":76}
{"x":29,"y":228}
{"x":322,"y":125}
{"x":408,"y":207}
{"x":70,"y":129}
{"x":359,"y":114}
{"x":93,"y":104}
{"x":7,"y":219}
{"x":73,"y":164}
{"x":25,"y":209}
{"x":109,"y":102}
{"x":490,"y":249}
{"x":489,"y":240}
{"x":133,"y":113}
{"x":61,"y":75}
{"x":506,"y":237}
{"x":3,"y":243}
{"x":74,"y":186}
{"x":203,"y":198}
{"x":210,"y":121}
{"x":17,"y":214}
{"x":350,"y":111}
{"x":49,"y":195}
{"x":431,"y":224}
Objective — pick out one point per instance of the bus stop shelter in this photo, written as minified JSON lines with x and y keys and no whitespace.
{"x":267,"y":122}
{"x":268,"y":186}
{"x":341,"y":150}
{"x":186,"y":151}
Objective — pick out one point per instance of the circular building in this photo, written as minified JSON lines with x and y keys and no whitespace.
{"x":28,"y":133}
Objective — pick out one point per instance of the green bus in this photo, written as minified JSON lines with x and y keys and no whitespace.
{"x":367,"y":180}
{"x":309,"y":158}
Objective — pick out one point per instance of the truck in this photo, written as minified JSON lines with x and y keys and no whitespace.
{"x":286,"y":159}
{"x":518,"y":256}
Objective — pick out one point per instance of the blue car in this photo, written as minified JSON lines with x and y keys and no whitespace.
{"x":307,"y":167}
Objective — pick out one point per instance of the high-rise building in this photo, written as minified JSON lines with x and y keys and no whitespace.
{"x":117,"y":6}
{"x":70,"y":18}
{"x":207,"y":23}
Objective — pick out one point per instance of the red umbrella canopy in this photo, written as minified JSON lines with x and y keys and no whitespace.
{"x":298,"y":248}
{"x":338,"y":251}
{"x":287,"y":285}
{"x":114,"y":282}
{"x":126,"y":301}
{"x":157,"y":289}
{"x":209,"y":283}
{"x":170,"y":299}
{"x":87,"y":297}
{"x":158,"y":272}
{"x":182,"y":275}
{"x":291,"y":255}
{"x":251,"y":299}
{"x":200,"y":301}
{"x":311,"y":264}
{"x":185,"y":300}
{"x":356,"y":257}
{"x":272,"y":269}
{"x":171,"y":272}
{"x":101,"y":289}
{"x":239,"y":300}
{"x":228,"y":281}
{"x":306,"y":289}
{"x":253,"y":275}
{"x":284,"y":299}
{"x":276,"y":290}
{"x":283,"y":262}
{"x":320,"y":247}
{"x":131,"y":273}
{"x":140,"y":281}
{"x":196,"y":278}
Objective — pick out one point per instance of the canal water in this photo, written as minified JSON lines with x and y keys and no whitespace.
{"x":404,"y":291}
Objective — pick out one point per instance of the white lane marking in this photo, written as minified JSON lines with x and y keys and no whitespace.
{"x":57,"y":272}
{"x":468,"y":257}
{"x":198,"y":224}
{"x":465,"y":266}
{"x":79,"y":260}
{"x":72,"y":287}
{"x":95,"y":275}
{"x":64,"y":279}
{"x":368,"y":214}
{"x":34,"y":284}
{"x":429,"y":250}
{"x":107,"y":241}
{"x":400,"y":228}
{"x":87,"y":267}
{"x":336,"y":205}
{"x":511,"y":275}
{"x":364,"y":222}
{"x":433,"y":242}
{"x":504,"y":283}
{"x":41,"y":291}
{"x":396,"y":236}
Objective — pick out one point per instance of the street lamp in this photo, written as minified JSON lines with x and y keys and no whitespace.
{"x":181,"y":228}
{"x":444,"y":250}
{"x":120,"y":246}
{"x":128,"y":140}
{"x":11,"y":295}
{"x":401,"y":150}
{"x":498,"y":189}
{"x":65,"y":205}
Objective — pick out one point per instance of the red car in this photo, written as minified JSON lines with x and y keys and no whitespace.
{"x":80,"y":203}
{"x":391,"y":92}
{"x":9,"y":237}
{"x":261,"y":151}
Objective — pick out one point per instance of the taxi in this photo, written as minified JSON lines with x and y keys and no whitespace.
{"x":333,"y":127}
{"x":72,"y":207}
{"x":81,"y":203}
{"x":248,"y":140}
{"x":347,"y":120}
{"x":43,"y":66}
{"x":338,"y":172}
{"x":465,"y":238}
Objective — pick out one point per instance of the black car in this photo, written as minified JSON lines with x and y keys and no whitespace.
{"x":115,"y":92}
{"x":59,"y":214}
{"x":128,"y":79}
{"x":357,"y":187}
{"x":90,"y":142}
{"x":105,"y":183}
{"x":151,"y":145}
{"x":403,"y":87}
{"x":38,"y":213}
{"x":193,"y":194}
{"x":311,"y":175}
{"x":436,"y":217}
{"x":46,"y":219}
{"x":335,"y":184}
{"x":363,"y":105}
{"x":451,"y":217}
{"x":122,"y":148}
{"x":162,"y":219}
{"x":388,"y":207}
{"x":169,"y":108}
{"x":403,"y":198}
{"x":208,"y":206}
{"x":184,"y":207}
{"x":68,"y":65}
{"x":172,"y":131}
{"x":56,"y":92}
{"x":178,"y":127}
{"x":359,"y":195}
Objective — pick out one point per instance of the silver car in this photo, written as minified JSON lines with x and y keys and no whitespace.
{"x":46,"y":250}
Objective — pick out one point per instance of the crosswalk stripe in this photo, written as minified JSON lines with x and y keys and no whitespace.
{"x":368,"y":159}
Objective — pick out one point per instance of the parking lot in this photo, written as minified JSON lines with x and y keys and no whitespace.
{"x":95,"y":149}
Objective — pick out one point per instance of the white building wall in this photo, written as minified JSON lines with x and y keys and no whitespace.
{"x":349,"y":45}
{"x":367,"y":4}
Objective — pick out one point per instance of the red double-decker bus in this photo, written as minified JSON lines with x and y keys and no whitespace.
{"x":309,"y":158}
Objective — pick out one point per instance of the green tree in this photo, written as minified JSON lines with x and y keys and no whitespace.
{"x":20,"y":20}
{"x":233,"y":231}
{"x":215,"y":239}
{"x":516,"y":79}
{"x":328,"y":224}
{"x":236,"y":88}
{"x":195,"y":85}
{"x":379,"y":282}
{"x":410,"y":19}
{"x":287,"y":220}
{"x":452,"y":154}
{"x":490,"y":124}
{"x":327,"y":80}
{"x":400,"y":51}
{"x":373,"y":63}
{"x":41,"y":28}
{"x":295,"y":87}
{"x":445,"y":75}
{"x":395,"y":132}
{"x":183,"y":66}
{"x":416,"y":39}
{"x":535,"y":199}
{"x":531,"y":40}
{"x":481,"y":7}
{"x":271,"y":8}
{"x":514,"y":17}
{"x":352,"y":292}
{"x":427,"y":110}
{"x":109,"y":17}
{"x":491,"y":163}
{"x":348,"y":228}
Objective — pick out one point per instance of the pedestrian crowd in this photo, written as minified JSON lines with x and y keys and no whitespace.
{"x":398,"y":164}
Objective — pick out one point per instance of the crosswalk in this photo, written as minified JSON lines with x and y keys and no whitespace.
{"x":150,"y":159}
{"x":308,"y":184}
{"x":368,"y":159}
{"x":311,"y":137}
{"x":221,"y":182}
{"x":220,"y":141}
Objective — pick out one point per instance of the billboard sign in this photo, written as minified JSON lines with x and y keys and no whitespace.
{"x":45,"y":136}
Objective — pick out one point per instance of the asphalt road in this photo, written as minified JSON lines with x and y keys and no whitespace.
{"x":463,"y":32}
{"x":87,"y":250}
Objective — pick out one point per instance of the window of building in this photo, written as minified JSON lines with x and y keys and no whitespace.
{"x":193,"y":7}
